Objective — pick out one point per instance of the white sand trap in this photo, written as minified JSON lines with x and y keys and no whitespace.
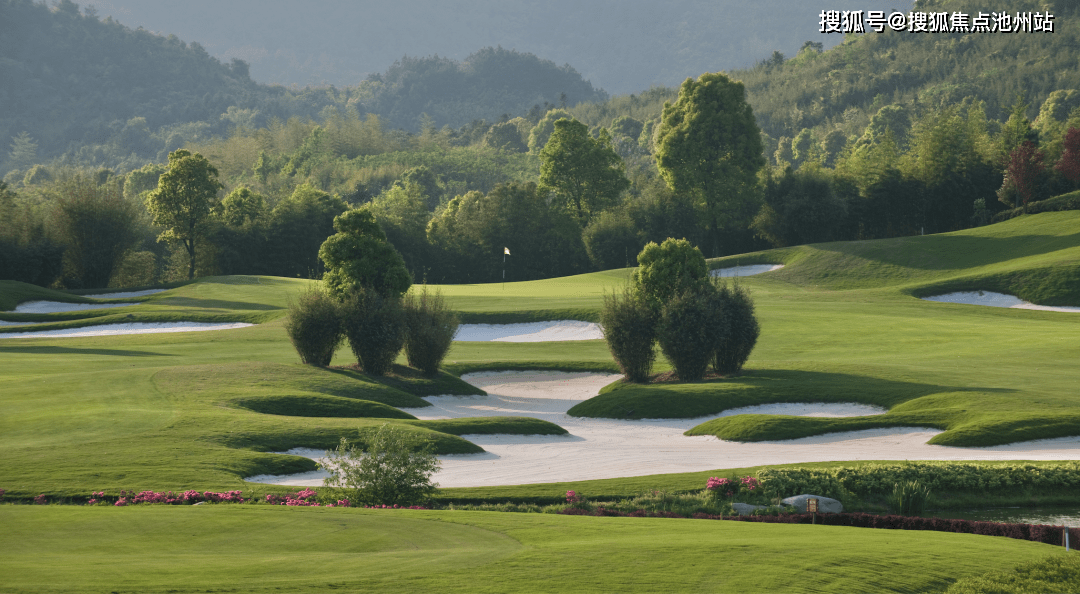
{"x":125,"y":294}
{"x":995,"y":300}
{"x":42,"y":307}
{"x":133,"y":328}
{"x":608,"y":448}
{"x":745,"y":270}
{"x":532,"y":332}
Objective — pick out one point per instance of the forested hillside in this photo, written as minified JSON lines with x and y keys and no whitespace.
{"x":102,"y":94}
{"x":885,"y":135}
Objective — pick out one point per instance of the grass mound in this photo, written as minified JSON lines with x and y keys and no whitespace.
{"x":321,"y":406}
{"x":493,"y":426}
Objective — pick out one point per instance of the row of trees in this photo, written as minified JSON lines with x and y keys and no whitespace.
{"x":593,"y":207}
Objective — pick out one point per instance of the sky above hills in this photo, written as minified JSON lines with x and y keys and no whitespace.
{"x":622,"y":46}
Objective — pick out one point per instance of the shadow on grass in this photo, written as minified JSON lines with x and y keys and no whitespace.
{"x":216,"y":304}
{"x":58,"y":350}
{"x":623,"y":400}
{"x":952,"y":252}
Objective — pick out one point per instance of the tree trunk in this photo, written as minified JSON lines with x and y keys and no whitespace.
{"x":191,"y":263}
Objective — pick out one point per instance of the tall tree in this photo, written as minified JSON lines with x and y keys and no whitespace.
{"x":710,"y":145}
{"x":97,"y":225}
{"x":1069,"y":163}
{"x":1023,"y":174}
{"x":585,"y":173}
{"x":182,"y":203}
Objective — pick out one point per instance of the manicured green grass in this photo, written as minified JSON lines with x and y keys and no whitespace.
{"x":263,"y":548}
{"x":573,"y":297}
{"x":839,"y":324}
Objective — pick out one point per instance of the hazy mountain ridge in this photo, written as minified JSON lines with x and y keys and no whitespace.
{"x":623,"y":46}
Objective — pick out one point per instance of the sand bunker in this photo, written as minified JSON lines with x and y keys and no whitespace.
{"x":133,"y":328}
{"x":608,"y":448}
{"x":531,"y":332}
{"x":745,"y":270}
{"x":43,"y":307}
{"x":995,"y":300}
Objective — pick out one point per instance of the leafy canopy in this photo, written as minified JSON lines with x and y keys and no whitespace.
{"x":585,"y":173}
{"x":359,"y":257}
{"x":669,"y":269}
{"x":185,"y":197}
{"x":709,"y":145}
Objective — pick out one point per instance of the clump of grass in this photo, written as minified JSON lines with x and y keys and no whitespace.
{"x":630,"y":331}
{"x":314,"y":326}
{"x":375,"y":328}
{"x":909,"y":498}
{"x":429,"y":330}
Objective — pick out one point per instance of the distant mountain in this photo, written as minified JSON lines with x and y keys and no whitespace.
{"x":623,"y":46}
{"x":73,"y":83}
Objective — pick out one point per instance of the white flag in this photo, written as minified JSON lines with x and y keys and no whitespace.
{"x":506,"y":251}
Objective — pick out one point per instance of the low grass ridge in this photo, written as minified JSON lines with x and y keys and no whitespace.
{"x":12,"y":293}
{"x":101,"y":549}
{"x":493,"y":426}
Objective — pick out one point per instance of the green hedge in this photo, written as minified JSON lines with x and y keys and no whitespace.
{"x":1070,"y":201}
{"x":871,"y":480}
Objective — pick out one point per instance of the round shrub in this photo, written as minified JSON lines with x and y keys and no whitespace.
{"x":429,"y":329}
{"x":630,"y":331}
{"x":687,"y":333}
{"x":314,"y":326}
{"x":375,"y":328}
{"x":738,"y":329}
{"x":669,"y":269}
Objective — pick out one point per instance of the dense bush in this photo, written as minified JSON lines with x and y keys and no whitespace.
{"x":738,"y":327}
{"x":879,"y":479}
{"x":429,"y":330}
{"x":630,"y":331}
{"x":395,"y":469}
{"x":375,"y":328}
{"x":668,"y":270}
{"x":1070,"y":201}
{"x":314,"y":326}
{"x":687,"y":333}
{"x":358,"y":257}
